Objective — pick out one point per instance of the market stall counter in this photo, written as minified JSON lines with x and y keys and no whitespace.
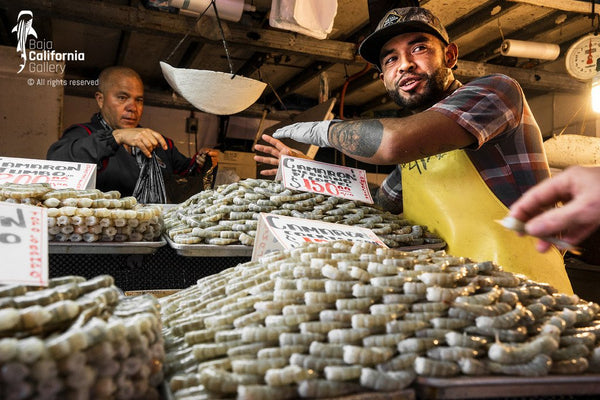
{"x":164,"y":268}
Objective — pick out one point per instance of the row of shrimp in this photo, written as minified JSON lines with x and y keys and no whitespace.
{"x":89,"y":215}
{"x":79,"y":338}
{"x":328,"y":319}
{"x":228,"y":215}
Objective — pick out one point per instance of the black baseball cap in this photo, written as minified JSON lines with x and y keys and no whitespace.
{"x":398,"y":21}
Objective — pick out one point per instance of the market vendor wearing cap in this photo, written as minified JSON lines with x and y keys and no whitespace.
{"x":464,"y":156}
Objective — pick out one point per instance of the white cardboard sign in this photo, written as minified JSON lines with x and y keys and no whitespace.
{"x":279,"y":232}
{"x":323,"y":178}
{"x":23,"y":244}
{"x":59,"y":174}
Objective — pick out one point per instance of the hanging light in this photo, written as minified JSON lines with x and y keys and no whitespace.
{"x":596,"y":88}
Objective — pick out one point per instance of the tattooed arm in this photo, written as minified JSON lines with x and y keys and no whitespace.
{"x":398,"y":140}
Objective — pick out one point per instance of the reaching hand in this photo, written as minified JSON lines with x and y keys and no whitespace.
{"x":143,"y":138}
{"x":579,"y":189}
{"x":277,"y":149}
{"x":306,"y":132}
{"x":201,"y":156}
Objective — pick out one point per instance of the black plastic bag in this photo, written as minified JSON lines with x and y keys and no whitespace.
{"x":150,"y":186}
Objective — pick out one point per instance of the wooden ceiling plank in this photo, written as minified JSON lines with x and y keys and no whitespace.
{"x":564,"y":5}
{"x":530,"y":32}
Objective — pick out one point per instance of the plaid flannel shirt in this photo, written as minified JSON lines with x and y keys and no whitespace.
{"x":509,"y":152}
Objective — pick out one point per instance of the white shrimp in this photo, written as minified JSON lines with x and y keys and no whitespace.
{"x":367,"y":356}
{"x":399,"y":363}
{"x":408,"y":327}
{"x":386,"y":381}
{"x":538,"y":366}
{"x":416,"y":345}
{"x":518,"y":354}
{"x":342,"y":372}
{"x":347,"y":336}
{"x":437,"y":293}
{"x":288,"y":375}
{"x":451,"y":353}
{"x":428,"y":367}
{"x":327,"y":350}
{"x":503,"y":321}
{"x":464,"y":340}
{"x":371,"y":321}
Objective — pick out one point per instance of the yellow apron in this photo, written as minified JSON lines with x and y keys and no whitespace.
{"x":446,"y":193}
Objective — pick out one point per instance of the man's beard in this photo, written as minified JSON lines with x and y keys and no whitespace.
{"x":432,"y":92}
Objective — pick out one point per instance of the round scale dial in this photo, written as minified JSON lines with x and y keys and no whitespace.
{"x":581,"y":57}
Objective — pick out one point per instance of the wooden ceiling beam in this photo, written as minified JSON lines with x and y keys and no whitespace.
{"x":144,"y":20}
{"x":528,"y":79}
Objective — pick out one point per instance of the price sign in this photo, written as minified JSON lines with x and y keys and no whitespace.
{"x":59,"y":174}
{"x":323,"y":178}
{"x":23,"y":244}
{"x":279,"y":232}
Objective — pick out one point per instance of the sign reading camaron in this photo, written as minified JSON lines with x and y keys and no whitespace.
{"x":277,"y":232}
{"x":324,"y":178}
{"x":58,"y":174}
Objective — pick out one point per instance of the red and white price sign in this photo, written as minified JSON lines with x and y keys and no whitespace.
{"x":23,"y":244}
{"x":279,"y":232}
{"x":323,"y":178}
{"x":59,"y":174}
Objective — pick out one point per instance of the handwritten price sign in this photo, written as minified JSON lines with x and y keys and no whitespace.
{"x":323,"y":178}
{"x":59,"y":174}
{"x":279,"y":232}
{"x":23,"y":244}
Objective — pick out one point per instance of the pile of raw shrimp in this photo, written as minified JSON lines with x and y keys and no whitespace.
{"x":329,"y":319}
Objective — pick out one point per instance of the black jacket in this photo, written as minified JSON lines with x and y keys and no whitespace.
{"x":117,"y":168}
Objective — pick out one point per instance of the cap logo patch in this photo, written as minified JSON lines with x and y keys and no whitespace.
{"x":390,"y":20}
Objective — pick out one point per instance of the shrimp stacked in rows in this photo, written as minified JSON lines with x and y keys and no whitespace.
{"x":324,"y":320}
{"x":89,"y":215}
{"x":229,"y":215}
{"x":79,"y":339}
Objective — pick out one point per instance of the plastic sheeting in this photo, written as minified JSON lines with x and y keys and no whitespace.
{"x":310,"y":17}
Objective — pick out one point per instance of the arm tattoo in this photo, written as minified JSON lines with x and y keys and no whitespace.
{"x":356,"y":138}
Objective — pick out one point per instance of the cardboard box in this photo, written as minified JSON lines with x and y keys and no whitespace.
{"x":240,"y":162}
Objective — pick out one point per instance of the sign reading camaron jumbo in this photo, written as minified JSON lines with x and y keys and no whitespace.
{"x":323,"y":178}
{"x":58,"y":174}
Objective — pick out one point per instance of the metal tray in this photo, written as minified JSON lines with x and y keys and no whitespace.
{"x":406,"y":394}
{"x":210,"y":250}
{"x":240,"y":250}
{"x":507,"y":386}
{"x":105,"y":247}
{"x":433,"y":246}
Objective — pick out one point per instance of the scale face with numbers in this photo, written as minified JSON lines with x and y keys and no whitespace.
{"x":581,"y":57}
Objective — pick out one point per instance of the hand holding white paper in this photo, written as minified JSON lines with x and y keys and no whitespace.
{"x":213,"y":92}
